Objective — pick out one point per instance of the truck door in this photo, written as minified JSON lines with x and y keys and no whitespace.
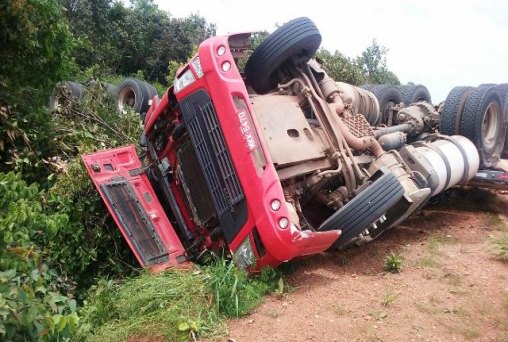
{"x":129,"y":196}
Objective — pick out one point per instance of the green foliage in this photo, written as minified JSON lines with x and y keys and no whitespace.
{"x":173,"y":305}
{"x":369,"y":67}
{"x":235,"y":295}
{"x":173,"y":67}
{"x":32,"y":30}
{"x":393,"y":262}
{"x":31,"y":304}
{"x":32,"y":308}
{"x":342,"y":68}
{"x":23,"y":218}
{"x":373,"y":62}
{"x":123,"y":40}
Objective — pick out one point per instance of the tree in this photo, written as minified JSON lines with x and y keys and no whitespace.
{"x":342,"y":68}
{"x":35,"y":44}
{"x":373,"y":62}
{"x":125,"y":40}
{"x":35,"y":52}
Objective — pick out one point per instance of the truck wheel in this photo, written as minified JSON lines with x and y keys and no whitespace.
{"x":451,"y":114}
{"x":482,"y":122}
{"x":412,"y":93}
{"x":298,"y":38}
{"x":132,"y":93}
{"x":59,"y":98}
{"x":151,"y":90}
{"x":110,"y":88}
{"x":364,"y":209}
{"x":369,"y":87}
{"x":388,"y":96}
{"x":503,"y":93}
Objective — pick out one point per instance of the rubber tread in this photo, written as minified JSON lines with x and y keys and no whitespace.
{"x":472,"y":118}
{"x":503,"y":93}
{"x":365,"y":208}
{"x":452,"y":111}
{"x":414,"y":93}
{"x":290,"y":39}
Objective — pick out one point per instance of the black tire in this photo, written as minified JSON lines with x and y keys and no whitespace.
{"x":111,"y":89}
{"x":482,"y":122}
{"x":503,"y":93}
{"x":451,"y":114}
{"x":369,"y":87}
{"x":364,"y":209}
{"x":59,"y":99}
{"x":388,"y":96}
{"x":132,"y":93}
{"x":298,"y":39}
{"x":151,"y":90}
{"x":412,"y":93}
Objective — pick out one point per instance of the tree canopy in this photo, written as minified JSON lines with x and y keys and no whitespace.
{"x":125,"y":40}
{"x":369,"y":67}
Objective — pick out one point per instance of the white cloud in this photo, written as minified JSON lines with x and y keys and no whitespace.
{"x":438,"y":43}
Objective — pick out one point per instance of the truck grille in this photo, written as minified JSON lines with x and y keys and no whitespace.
{"x":134,"y":222}
{"x":215,"y":161}
{"x":232,"y":193}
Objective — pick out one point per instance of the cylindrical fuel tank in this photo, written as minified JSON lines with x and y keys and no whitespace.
{"x":454,"y":160}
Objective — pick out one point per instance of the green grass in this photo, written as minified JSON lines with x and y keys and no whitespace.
{"x":498,"y":246}
{"x":172,"y":305}
{"x":393,"y":262}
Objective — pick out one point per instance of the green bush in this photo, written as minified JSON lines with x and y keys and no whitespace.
{"x":32,"y":301}
{"x":32,"y":307}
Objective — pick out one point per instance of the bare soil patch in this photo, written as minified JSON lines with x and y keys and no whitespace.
{"x":450,"y":287}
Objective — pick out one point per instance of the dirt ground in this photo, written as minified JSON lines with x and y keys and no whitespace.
{"x":450,"y":287}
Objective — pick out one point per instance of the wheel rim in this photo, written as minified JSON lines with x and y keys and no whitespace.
{"x":126,"y":99}
{"x":490,"y":126}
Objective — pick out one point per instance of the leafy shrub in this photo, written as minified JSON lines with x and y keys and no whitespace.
{"x":23,"y":218}
{"x":32,"y":301}
{"x":32,"y":308}
{"x":393,"y":262}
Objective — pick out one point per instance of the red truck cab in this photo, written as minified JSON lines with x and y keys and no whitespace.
{"x":208,"y":181}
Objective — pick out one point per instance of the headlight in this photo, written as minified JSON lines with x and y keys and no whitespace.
{"x":196,"y":64}
{"x":184,"y":80}
{"x":244,"y":255}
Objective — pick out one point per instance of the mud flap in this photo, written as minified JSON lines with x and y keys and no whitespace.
{"x":367,"y":207}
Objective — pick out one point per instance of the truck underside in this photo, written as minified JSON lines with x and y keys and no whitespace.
{"x":280,"y":161}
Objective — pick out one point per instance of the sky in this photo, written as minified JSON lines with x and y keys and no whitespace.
{"x":440,"y":44}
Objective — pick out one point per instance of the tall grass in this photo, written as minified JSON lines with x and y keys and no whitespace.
{"x":173,"y":305}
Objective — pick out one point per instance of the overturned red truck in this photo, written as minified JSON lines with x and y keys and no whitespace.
{"x":279,"y":161}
